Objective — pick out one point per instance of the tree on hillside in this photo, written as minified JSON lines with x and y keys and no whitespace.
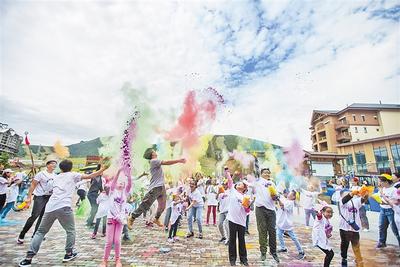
{"x":4,"y":157}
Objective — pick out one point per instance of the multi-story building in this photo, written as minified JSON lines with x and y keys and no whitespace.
{"x":9,"y":140}
{"x":368,"y":134}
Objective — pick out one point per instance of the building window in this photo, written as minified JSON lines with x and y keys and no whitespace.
{"x":363,"y":117}
{"x":382,"y":159}
{"x":365,"y":130}
{"x":361,"y":162}
{"x":354,"y":117}
{"x":355,"y":130}
{"x":377,"y":129}
{"x":349,"y":160}
{"x":395,"y":148}
{"x":375,"y":117}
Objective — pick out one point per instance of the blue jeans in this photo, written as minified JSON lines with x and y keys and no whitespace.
{"x":6,"y":209}
{"x":292,"y":236}
{"x":386,"y":217}
{"x":198,"y":211}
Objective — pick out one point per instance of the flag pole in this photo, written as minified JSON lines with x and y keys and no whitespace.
{"x":30,"y":153}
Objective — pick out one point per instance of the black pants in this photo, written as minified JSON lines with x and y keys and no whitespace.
{"x":96,"y":227}
{"x":266,"y":226}
{"x":237,"y":229}
{"x":328,"y":256}
{"x":174,"y":228}
{"x":345,"y":238}
{"x":94,"y":207}
{"x":39,"y":205}
{"x":3,"y":198}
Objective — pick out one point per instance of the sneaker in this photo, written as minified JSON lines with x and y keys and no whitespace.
{"x":70,"y":257}
{"x":200,"y":236}
{"x":244,"y":263}
{"x":176,"y":239}
{"x":226,"y":242}
{"x":20,"y":241}
{"x":366,"y":230}
{"x":93,"y":236}
{"x":263,"y":256}
{"x":25,"y":262}
{"x":170,"y":240}
{"x":381,"y":245}
{"x":157,"y":221}
{"x":126,"y":238}
{"x":222,"y":239}
{"x":282,"y":250}
{"x":130,"y":222}
{"x":188,"y":235}
{"x":207,"y":224}
{"x":275,"y":256}
{"x":300,"y":256}
{"x":118,"y":263}
{"x":103,"y":234}
{"x":166,"y":229}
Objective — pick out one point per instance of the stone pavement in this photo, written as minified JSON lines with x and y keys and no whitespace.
{"x":144,"y":250}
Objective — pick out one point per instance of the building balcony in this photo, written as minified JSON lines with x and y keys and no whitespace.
{"x":341,"y":125}
{"x":343,"y":137}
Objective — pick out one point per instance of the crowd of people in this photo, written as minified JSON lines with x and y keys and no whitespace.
{"x":115,"y":206}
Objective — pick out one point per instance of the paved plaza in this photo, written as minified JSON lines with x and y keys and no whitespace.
{"x":148,"y":243}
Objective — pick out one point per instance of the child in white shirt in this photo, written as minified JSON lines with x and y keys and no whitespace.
{"x":103,"y":200}
{"x":284,"y":223}
{"x":321,"y":233}
{"x":212,"y":202}
{"x":176,"y":215}
{"x":12,"y":195}
{"x":308,"y":199}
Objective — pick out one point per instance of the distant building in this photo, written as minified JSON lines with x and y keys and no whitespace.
{"x":368,"y":134}
{"x":9,"y":140}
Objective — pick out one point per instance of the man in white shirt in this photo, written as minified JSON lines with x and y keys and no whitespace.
{"x":59,"y":208}
{"x":265,"y":214}
{"x":41,"y":189}
{"x":350,"y":225}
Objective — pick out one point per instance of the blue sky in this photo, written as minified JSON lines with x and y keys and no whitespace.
{"x":63,"y":63}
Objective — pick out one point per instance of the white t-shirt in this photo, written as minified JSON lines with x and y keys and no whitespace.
{"x":12,"y":194}
{"x":347,"y":212}
{"x":196,"y":196}
{"x":45,"y":183}
{"x":3,"y":185}
{"x":389,"y":193}
{"x":223,"y":199}
{"x":104,"y":205}
{"x":284,"y":217}
{"x":308,"y":198}
{"x":176,"y":212}
{"x":263,"y":197}
{"x":211,"y":197}
{"x":63,"y":189}
{"x":202,"y":190}
{"x":319,"y":237}
{"x":236,"y":212}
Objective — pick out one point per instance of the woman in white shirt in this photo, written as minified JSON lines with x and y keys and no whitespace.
{"x":195,"y":207}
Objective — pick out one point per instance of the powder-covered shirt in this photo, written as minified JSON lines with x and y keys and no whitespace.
{"x":349,"y":213}
{"x":262,"y":194}
{"x":12,"y":194}
{"x":104,"y":205}
{"x":63,"y":189}
{"x":319,"y":237}
{"x":196,"y":196}
{"x":389,"y":193}
{"x":118,"y":206}
{"x":211,"y":196}
{"x":3,"y":185}
{"x":284,"y":216}
{"x":223,"y":199}
{"x":45,"y":183}
{"x":236,"y":212}
{"x":308,"y":199}
{"x":157,"y":174}
{"x":175,"y":212}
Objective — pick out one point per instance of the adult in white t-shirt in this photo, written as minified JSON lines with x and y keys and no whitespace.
{"x":59,"y":208}
{"x":265,"y":213}
{"x":237,"y":213}
{"x":350,"y":225}
{"x":41,"y":189}
{"x":195,"y":208}
{"x":386,"y":216}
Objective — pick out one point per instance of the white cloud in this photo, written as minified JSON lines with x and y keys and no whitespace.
{"x":66,"y":62}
